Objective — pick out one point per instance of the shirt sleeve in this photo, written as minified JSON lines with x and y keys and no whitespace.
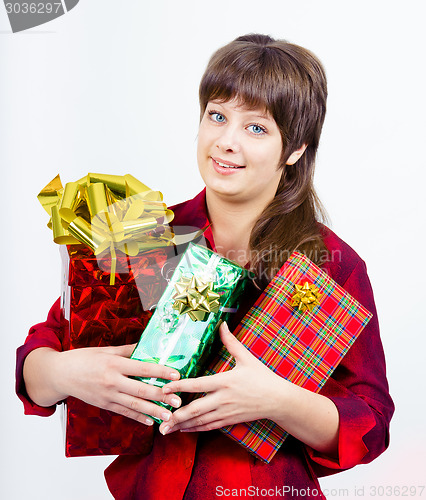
{"x":360,"y":391}
{"x":46,"y":334}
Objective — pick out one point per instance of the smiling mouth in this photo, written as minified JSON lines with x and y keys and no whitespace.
{"x":227,"y":165}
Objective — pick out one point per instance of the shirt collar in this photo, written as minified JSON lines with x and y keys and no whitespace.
{"x":194,"y":213}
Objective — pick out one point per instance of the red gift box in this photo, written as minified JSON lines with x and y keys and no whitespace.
{"x":95,"y":313}
{"x":302,"y":343}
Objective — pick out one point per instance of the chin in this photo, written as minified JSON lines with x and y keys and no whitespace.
{"x":227,"y":192}
{"x":222,"y":187}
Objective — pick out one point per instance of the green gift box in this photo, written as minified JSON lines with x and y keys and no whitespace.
{"x":181,"y":334}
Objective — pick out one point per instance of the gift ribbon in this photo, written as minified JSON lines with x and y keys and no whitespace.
{"x":184,"y":318}
{"x":196,"y":298}
{"x":107,"y":212}
{"x":306,"y":297}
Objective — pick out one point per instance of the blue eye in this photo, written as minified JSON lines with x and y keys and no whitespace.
{"x":257,"y":129}
{"x":217,"y":117}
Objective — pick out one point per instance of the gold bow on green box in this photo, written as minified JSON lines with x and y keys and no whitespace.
{"x":195,"y":297}
{"x":107,"y":213}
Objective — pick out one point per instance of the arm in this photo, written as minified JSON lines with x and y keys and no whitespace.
{"x":96,"y":375}
{"x":47,"y":334}
{"x":100,"y":377}
{"x":38,"y":380}
{"x":360,"y":391}
{"x":252,"y":391}
{"x":347,"y":423}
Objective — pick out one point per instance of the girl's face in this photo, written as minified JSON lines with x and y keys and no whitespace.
{"x":239,"y":152}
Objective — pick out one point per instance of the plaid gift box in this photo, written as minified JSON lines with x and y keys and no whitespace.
{"x":302,"y":346}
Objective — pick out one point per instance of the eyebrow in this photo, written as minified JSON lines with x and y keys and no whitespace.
{"x":264,"y":117}
{"x":248,"y":110}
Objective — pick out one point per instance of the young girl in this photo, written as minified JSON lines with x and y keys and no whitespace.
{"x":263,"y":104}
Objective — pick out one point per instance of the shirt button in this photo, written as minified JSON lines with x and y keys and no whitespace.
{"x":188,"y":463}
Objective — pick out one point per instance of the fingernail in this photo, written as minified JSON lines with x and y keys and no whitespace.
{"x":175,"y":402}
{"x":166,"y":390}
{"x":165,"y":430}
{"x":165,"y":416}
{"x":173,"y":376}
{"x":148,"y":421}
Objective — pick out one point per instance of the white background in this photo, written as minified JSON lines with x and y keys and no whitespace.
{"x":112,"y":87}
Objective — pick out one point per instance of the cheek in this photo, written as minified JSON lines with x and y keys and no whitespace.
{"x":268,"y":156}
{"x":202,"y":155}
{"x":201,"y":151}
{"x":275,"y":154}
{"x":203,"y":140}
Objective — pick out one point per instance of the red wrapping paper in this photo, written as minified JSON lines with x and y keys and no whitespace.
{"x":95,"y":313}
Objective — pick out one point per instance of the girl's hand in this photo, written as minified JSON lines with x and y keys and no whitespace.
{"x":99,"y":376}
{"x":242,"y":394}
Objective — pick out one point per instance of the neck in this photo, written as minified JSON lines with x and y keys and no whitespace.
{"x":232,"y":224}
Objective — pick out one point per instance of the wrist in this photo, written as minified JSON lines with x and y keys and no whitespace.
{"x":309,"y":417}
{"x":40,"y":376}
{"x":282,"y":397}
{"x":60,"y":372}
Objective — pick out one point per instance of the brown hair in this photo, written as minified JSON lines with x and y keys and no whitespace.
{"x":289,"y":82}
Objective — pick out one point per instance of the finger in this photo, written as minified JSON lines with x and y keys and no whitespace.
{"x":143,"y":390}
{"x":197,"y":412}
{"x":126,"y":350}
{"x":136,"y":368}
{"x":208,"y":383}
{"x":234,"y":346}
{"x":143,"y":406}
{"x":217,"y":424}
{"x":121,"y":350}
{"x":127,"y":412}
{"x":207,"y":422}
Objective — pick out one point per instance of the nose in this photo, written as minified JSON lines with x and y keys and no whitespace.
{"x":229,"y":141}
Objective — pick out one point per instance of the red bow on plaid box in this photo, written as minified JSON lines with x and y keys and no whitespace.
{"x":302,"y":344}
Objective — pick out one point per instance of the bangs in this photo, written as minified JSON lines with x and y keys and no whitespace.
{"x":250,"y":75}
{"x":283,"y":80}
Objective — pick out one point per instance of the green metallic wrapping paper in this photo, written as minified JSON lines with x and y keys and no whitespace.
{"x":172,"y":337}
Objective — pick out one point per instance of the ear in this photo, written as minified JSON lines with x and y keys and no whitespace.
{"x":296,"y":155}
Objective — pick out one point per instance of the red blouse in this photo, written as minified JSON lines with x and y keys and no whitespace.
{"x":208,"y":465}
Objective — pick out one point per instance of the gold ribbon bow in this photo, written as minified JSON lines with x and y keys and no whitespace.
{"x":107,"y":212}
{"x":306,"y":297}
{"x":196,"y":298}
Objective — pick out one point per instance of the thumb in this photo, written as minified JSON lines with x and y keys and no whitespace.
{"x":234,"y":346}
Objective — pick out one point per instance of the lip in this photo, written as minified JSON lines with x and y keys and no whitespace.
{"x":227,"y":162}
{"x":224,"y":170}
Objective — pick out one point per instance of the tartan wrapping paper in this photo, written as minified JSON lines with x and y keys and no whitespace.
{"x":303,"y":347}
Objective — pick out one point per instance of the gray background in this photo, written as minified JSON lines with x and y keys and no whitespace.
{"x":112,"y":87}
{"x":24,"y":15}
